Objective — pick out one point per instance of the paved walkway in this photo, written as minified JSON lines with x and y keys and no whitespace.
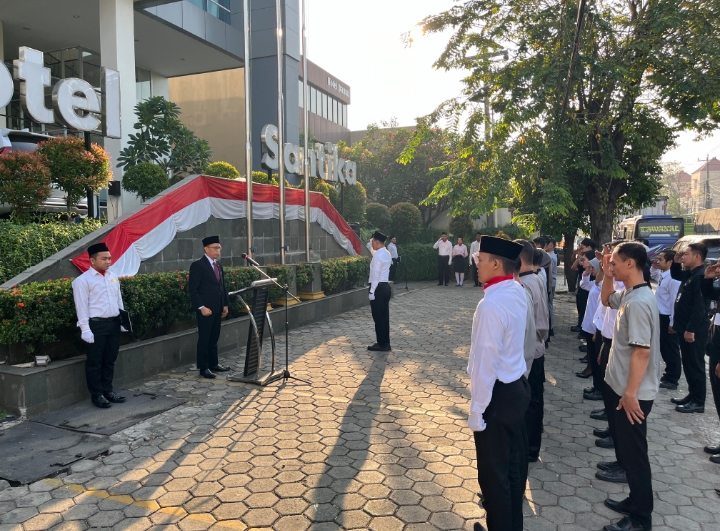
{"x":378,"y":442}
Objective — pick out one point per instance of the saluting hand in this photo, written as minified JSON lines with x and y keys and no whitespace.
{"x":631,"y":405}
{"x":712,"y":271}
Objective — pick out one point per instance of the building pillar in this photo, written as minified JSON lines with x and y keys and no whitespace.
{"x":117,"y":51}
{"x":159,"y":85}
{"x":3,"y":110}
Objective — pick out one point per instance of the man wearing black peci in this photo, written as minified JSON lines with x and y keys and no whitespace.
{"x":209,"y":298}
{"x":380,"y":292}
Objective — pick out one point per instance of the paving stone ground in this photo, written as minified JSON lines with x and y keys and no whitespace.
{"x":378,"y":442}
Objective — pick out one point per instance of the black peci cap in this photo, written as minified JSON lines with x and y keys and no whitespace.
{"x":500,"y":247}
{"x":210,"y":240}
{"x":98,"y":248}
{"x":379,"y":236}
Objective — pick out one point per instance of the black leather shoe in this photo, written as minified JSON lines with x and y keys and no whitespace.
{"x":576,"y":329}
{"x":668,"y":385}
{"x":715,"y":459}
{"x":101,"y":402}
{"x":219,"y":368}
{"x":581,"y":374}
{"x":612,"y":476}
{"x":374,"y":347}
{"x":599,"y":415}
{"x":713,"y":450}
{"x":608,"y":466}
{"x":595,"y":395}
{"x":680,"y":401}
{"x":385,"y":348}
{"x":114,"y":398}
{"x":588,"y":389}
{"x":582,"y":348}
{"x":606,"y":442}
{"x":601,"y":434}
{"x":207,"y":373}
{"x":690,"y":407}
{"x":625,"y":525}
{"x":622,"y":507}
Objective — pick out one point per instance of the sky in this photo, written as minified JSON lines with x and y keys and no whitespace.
{"x":360,"y":43}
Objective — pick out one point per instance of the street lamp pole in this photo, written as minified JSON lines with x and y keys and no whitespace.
{"x":248,"y":130}
{"x":306,"y":129}
{"x":281,"y":127}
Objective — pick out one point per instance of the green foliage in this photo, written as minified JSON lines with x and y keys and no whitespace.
{"x":304,"y":273}
{"x":378,"y":216}
{"x":353,"y":206}
{"x":261,"y":177}
{"x":406,"y":220}
{"x":419,"y":260}
{"x":222,"y":169}
{"x":513,"y":232}
{"x":675,"y":188}
{"x":341,"y":274}
{"x":145,"y":179}
{"x":461,"y":226}
{"x":25,"y":245}
{"x":162,"y":139}
{"x":24,"y":181}
{"x":75,"y":169}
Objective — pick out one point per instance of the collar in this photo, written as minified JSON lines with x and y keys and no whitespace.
{"x":665,"y":274}
{"x":96,"y":272}
{"x":497,"y":280}
{"x":211,"y":260}
{"x":643,"y":285}
{"x":526,"y":273}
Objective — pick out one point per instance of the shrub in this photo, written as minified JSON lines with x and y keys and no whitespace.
{"x":341,"y":274}
{"x":261,"y":177}
{"x":145,"y":179}
{"x":378,"y":216}
{"x":222,"y":169}
{"x":462,"y":227}
{"x":304,"y":273}
{"x":406,"y":220}
{"x":353,"y":206}
{"x":418,"y":261}
{"x":23,"y":246}
{"x":24,"y":181}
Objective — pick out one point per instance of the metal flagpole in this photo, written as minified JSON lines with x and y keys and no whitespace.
{"x":306,"y":134}
{"x":281,"y":127}
{"x":248,"y":130}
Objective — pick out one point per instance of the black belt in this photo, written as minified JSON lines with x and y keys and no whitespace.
{"x":105,"y":319}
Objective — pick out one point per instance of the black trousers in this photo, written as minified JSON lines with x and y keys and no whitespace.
{"x":380,"y":309}
{"x":535,"y":411}
{"x":670,"y":352}
{"x":502,"y":455}
{"x":593,"y":349}
{"x":631,"y":448}
{"x":208,"y":335}
{"x":101,"y":356}
{"x":393,"y":269}
{"x":714,"y":354}
{"x":607,"y":393}
{"x":443,"y":269}
{"x":474,"y":272}
{"x":581,"y":300}
{"x":693,"y":364}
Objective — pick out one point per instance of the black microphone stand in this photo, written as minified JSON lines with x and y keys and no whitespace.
{"x":403,"y":261}
{"x":285,"y":376}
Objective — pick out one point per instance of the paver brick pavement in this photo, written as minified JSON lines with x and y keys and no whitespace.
{"x":378,"y":441}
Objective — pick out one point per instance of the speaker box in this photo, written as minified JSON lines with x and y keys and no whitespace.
{"x":114,"y":188}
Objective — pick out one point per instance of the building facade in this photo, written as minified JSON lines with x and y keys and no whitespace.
{"x":705,"y":187}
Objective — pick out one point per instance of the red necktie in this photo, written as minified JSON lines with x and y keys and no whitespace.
{"x":217,"y":271}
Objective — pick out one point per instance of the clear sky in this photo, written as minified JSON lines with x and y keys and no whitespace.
{"x":360,"y":43}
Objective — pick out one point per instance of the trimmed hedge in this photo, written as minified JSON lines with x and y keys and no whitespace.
{"x":342,"y":274}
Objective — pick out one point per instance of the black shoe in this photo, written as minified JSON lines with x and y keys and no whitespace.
{"x":385,"y":348}
{"x":576,"y":329}
{"x":715,"y":459}
{"x":440,"y":283}
{"x":207,"y":373}
{"x":581,"y":374}
{"x":668,"y":385}
{"x":601,"y":434}
{"x":447,"y":284}
{"x":114,"y":398}
{"x":625,"y":525}
{"x":612,"y":476}
{"x":101,"y":402}
{"x":219,"y":368}
{"x":599,"y":414}
{"x":588,"y":389}
{"x":608,"y":466}
{"x":690,"y":407}
{"x":374,"y":347}
{"x":595,"y":395}
{"x":713,"y":450}
{"x":622,"y":507}
{"x":680,"y":401}
{"x":606,"y":442}
{"x":582,"y":348}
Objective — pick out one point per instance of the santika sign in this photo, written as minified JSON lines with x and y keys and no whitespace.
{"x":75,"y":102}
{"x":324,"y":160}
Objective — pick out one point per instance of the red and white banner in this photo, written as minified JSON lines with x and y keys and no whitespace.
{"x":151,"y":229}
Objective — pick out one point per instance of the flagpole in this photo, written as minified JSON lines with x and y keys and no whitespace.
{"x":248,"y":130}
{"x":281,"y":127}
{"x":306,"y":134}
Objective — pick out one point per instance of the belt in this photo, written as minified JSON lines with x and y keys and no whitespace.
{"x":105,"y":319}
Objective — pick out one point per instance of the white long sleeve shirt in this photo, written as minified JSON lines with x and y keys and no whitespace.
{"x":588,"y":324}
{"x":474,"y":247}
{"x":460,"y":250}
{"x":444,"y":247}
{"x":530,"y":332}
{"x":392,"y":249}
{"x":379,"y":268}
{"x":540,"y":310}
{"x":96,"y":296}
{"x":666,"y":292}
{"x":608,"y":327}
{"x":496,"y":345}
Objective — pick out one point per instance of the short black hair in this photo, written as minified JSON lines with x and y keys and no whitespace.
{"x":587,"y":242}
{"x":699,"y":248}
{"x":391,"y":237}
{"x":634,"y":251}
{"x":540,"y":240}
{"x":537,"y":257}
{"x":528,"y":251}
{"x":445,"y":233}
{"x":668,"y":254}
{"x":549,"y":240}
{"x":508,"y":266}
{"x":480,"y":233}
{"x":589,"y":254}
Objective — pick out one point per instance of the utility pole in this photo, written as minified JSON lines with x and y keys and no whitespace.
{"x":708,"y":201}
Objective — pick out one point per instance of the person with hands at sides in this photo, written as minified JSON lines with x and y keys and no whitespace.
{"x":210,"y":299}
{"x":712,"y":293}
{"x":666,"y":293}
{"x":459,"y":261}
{"x":474,"y":248}
{"x":392,"y":249}
{"x":691,"y":322}
{"x":380,"y":292}
{"x":499,"y":391}
{"x":444,"y":247}
{"x":98,"y":302}
{"x":633,"y":377}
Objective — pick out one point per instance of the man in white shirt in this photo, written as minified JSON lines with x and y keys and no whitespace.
{"x":380,"y":292}
{"x":392,"y":249}
{"x":550,"y":250}
{"x":475,"y":247}
{"x":665,"y":294}
{"x":499,"y":392}
{"x":98,"y":303}
{"x":444,"y":248}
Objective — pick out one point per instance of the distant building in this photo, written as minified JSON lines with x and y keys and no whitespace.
{"x":705,"y":187}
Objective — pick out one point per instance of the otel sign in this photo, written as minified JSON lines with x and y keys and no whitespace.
{"x":75,"y":102}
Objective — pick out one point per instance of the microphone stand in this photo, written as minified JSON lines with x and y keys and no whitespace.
{"x":286,"y":373}
{"x":404,"y":263}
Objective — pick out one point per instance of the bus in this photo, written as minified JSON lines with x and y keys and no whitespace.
{"x":660,"y":231}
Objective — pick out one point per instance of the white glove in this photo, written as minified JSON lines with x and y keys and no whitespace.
{"x":122,"y":329}
{"x":88,"y":337}
{"x":372,"y":296}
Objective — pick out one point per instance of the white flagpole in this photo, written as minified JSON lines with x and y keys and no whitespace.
{"x":306,"y":129}
{"x":248,"y":129}
{"x":281,"y":127}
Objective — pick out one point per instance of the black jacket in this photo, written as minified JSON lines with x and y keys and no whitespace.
{"x":711,"y":293}
{"x":691,"y":308}
{"x":205,"y":290}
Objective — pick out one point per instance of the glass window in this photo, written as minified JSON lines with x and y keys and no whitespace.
{"x":91,"y":68}
{"x":313,"y":100}
{"x":143,"y":89}
{"x":340,"y":113}
{"x":345,"y":118}
{"x":325,"y":106}
{"x":318,"y":95}
{"x":335,"y":110}
{"x":300,"y":94}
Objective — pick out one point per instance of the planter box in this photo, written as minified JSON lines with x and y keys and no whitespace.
{"x":37,"y":390}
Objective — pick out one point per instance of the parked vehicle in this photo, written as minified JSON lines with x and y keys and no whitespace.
{"x":660,"y":231}
{"x":12,"y":140}
{"x":711,"y":241}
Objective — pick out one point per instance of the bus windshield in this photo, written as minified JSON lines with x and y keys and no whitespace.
{"x":670,"y":228}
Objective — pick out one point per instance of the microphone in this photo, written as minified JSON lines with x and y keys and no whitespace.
{"x":244,"y":256}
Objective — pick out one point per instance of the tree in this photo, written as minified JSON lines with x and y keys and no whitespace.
{"x":378,"y":217}
{"x":24,"y":181}
{"x":675,"y":188}
{"x":573,"y":144}
{"x":352,"y":207}
{"x":406,"y":220}
{"x":222,"y":169}
{"x":163,"y":140}
{"x":75,"y":169}
{"x":462,"y":226}
{"x":145,"y":179}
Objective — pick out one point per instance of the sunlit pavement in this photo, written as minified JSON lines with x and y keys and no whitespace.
{"x":378,"y":441}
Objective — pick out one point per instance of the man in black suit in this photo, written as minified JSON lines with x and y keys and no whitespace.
{"x":209,"y":298}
